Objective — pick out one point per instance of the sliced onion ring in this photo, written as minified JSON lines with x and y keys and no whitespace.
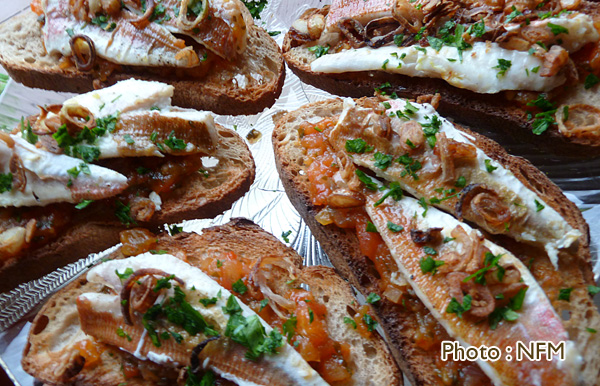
{"x":78,"y":43}
{"x":133,"y":279}
{"x":142,"y":21}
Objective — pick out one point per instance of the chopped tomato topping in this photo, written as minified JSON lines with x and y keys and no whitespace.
{"x":130,"y":370}
{"x":137,"y":241}
{"x":90,"y":351}
{"x":36,"y":7}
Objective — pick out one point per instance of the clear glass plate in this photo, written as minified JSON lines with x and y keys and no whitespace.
{"x":266,"y":203}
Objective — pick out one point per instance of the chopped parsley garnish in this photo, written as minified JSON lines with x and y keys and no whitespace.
{"x":411,"y":166}
{"x":263,"y":304}
{"x":566,"y":113}
{"x":319,"y":50}
{"x":394,"y":227}
{"x":429,"y":265}
{"x":431,"y":129}
{"x":289,"y":327}
{"x":121,"y":333}
{"x":515,"y":12}
{"x":565,"y":294}
{"x":6,"y":182}
{"x":557,"y":29}
{"x":365,"y":179}
{"x":451,"y":39}
{"x":103,"y":22}
{"x":398,"y":39}
{"x":208,"y":301}
{"x":593,"y":290}
{"x":358,"y":145}
{"x":83,"y":204}
{"x":461,"y":182}
{"x":175,"y":229}
{"x":424,"y":205}
{"x":490,"y":261}
{"x":454,"y":307}
{"x":274,"y":33}
{"x":538,"y":206}
{"x":350,"y":321}
{"x":394,"y":191}
{"x":371,"y":227}
{"x":163,"y":282}
{"x":535,"y":69}
{"x":385,"y":63}
{"x":429,"y":250}
{"x":285,"y":235}
{"x":125,"y":275}
{"x":448,"y":239}
{"x":545,"y":119}
{"x":250,"y":333}
{"x":419,"y":34}
{"x":382,"y":161}
{"x":373,"y":298}
{"x":142,"y":170}
{"x":591,"y":330}
{"x":489,"y":167}
{"x":590,"y":81}
{"x":508,"y":312}
{"x":239,"y":287}
{"x":123,"y":213}
{"x":477,"y":30}
{"x":503,"y":66}
{"x":175,"y":143}
{"x":27,"y":132}
{"x":158,"y":252}
{"x":194,"y":8}
{"x":369,"y":322}
{"x":255,"y":7}
{"x":128,"y":139}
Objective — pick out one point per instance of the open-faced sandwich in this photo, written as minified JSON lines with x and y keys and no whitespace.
{"x":209,"y":50}
{"x":505,"y":64}
{"x":230,"y":306}
{"x":520,"y":272}
{"x":76,"y":175}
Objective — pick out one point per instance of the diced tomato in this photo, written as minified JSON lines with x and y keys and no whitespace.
{"x":36,"y":7}
{"x":137,"y":241}
{"x":320,"y":174}
{"x":315,"y":330}
{"x":90,"y":351}
{"x":369,"y":241}
{"x":307,"y":349}
{"x":334,"y":370}
{"x":361,"y":326}
{"x":130,"y":370}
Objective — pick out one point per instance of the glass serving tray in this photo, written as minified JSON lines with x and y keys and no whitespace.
{"x":266,"y":203}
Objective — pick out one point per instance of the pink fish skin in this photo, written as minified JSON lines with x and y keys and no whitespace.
{"x":361,"y":10}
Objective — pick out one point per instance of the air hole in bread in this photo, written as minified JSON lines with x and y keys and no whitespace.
{"x":565,"y":315}
{"x":40,"y":325}
{"x":18,"y":27}
{"x":350,"y":311}
{"x":370,"y":351}
{"x":30,"y":60}
{"x":226,"y":134}
{"x":325,"y":299}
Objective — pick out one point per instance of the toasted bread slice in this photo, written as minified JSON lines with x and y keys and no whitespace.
{"x":55,"y":331}
{"x":476,"y":110}
{"x":404,"y":324}
{"x":94,"y":228}
{"x":24,"y":57}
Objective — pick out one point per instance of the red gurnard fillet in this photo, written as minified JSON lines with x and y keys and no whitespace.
{"x":537,"y":320}
{"x":361,"y":10}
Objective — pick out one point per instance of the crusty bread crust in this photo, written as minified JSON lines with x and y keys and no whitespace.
{"x":24,"y":57}
{"x":466,"y":107}
{"x":342,"y":247}
{"x":373,"y":365}
{"x":95,"y":229}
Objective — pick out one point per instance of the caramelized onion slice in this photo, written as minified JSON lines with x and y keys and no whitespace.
{"x":183,"y":20}
{"x":482,"y":205}
{"x":142,"y":21}
{"x":582,"y":121}
{"x":76,"y":118}
{"x":84,"y":52}
{"x":263,"y":272}
{"x":482,"y":303}
{"x":431,"y":235}
{"x":128,"y":286}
